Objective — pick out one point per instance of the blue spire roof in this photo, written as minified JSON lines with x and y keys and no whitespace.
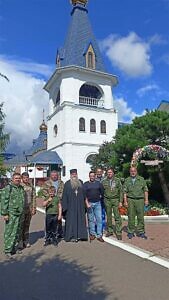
{"x":39,"y":144}
{"x":80,"y":36}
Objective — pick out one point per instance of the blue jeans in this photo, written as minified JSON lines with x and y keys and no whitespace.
{"x":94,"y":213}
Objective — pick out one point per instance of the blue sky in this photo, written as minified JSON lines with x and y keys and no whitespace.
{"x":134,"y":39}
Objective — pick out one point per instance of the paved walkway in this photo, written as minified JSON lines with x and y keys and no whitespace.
{"x":78,"y":271}
{"x":158,"y":237}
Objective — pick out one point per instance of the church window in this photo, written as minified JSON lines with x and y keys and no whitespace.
{"x":102,"y":126}
{"x":55,"y":130}
{"x":81,"y":124}
{"x":58,"y":98}
{"x":90,"y":159}
{"x":90,"y":58}
{"x":92,"y":125}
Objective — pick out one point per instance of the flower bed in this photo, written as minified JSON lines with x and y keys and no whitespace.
{"x":149,"y":211}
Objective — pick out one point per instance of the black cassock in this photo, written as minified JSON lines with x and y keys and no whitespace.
{"x":73,"y":205}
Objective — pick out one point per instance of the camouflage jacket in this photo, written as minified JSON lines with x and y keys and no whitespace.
{"x":48,"y":184}
{"x":112,"y":189}
{"x":12,"y":200}
{"x":30,"y":195}
{"x":137,"y":189}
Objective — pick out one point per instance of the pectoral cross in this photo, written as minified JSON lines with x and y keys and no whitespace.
{"x":76,"y":192}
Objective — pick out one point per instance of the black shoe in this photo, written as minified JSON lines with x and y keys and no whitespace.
{"x":92,"y":237}
{"x":107,"y":234}
{"x":119,"y":237}
{"x":46,"y":243}
{"x":100,"y":239}
{"x":55,"y":242}
{"x":18,"y":251}
{"x":142,"y":235}
{"x":60,"y":236}
{"x":8,"y":255}
{"x":130,"y":235}
{"x":74,"y":240}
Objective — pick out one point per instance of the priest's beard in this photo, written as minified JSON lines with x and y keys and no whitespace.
{"x":75,"y":183}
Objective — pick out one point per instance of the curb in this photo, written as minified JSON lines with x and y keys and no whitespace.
{"x":151,"y":218}
{"x":139,"y":252}
{"x":132,"y":249}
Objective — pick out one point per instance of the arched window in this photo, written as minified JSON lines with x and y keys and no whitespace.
{"x":81,"y":124}
{"x":103,"y":126}
{"x":90,"y":158}
{"x":92,"y":125}
{"x":90,"y":57}
{"x":55,"y":130}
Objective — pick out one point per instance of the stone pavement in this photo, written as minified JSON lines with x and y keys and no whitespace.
{"x":73,"y":271}
{"x":158,"y":237}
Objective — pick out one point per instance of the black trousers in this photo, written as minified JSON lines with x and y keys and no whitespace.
{"x":60,"y":229}
{"x":51,"y":226}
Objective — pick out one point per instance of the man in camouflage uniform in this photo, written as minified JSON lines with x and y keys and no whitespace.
{"x":29,"y":209}
{"x":113,"y":197}
{"x":55,"y":181}
{"x":135,"y":196}
{"x":12,"y":207}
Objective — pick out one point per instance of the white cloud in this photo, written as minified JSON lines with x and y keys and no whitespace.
{"x":125,"y":113}
{"x":157,"y":39}
{"x":24,"y":100}
{"x":148,"y":88}
{"x":130,"y":54}
{"x":28,"y":66}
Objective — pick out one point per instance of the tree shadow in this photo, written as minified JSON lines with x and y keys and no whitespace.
{"x":42,"y":277}
{"x":35,"y":236}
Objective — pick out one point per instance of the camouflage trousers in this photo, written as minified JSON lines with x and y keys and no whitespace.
{"x":12,"y":232}
{"x":26,"y":220}
{"x":112,"y":204}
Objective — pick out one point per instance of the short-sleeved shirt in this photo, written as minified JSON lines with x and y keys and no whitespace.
{"x":136,"y":189}
{"x":53,"y":207}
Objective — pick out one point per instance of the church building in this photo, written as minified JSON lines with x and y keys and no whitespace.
{"x":81,"y":111}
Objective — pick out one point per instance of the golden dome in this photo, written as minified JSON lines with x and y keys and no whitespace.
{"x":83,"y":2}
{"x":43,"y":126}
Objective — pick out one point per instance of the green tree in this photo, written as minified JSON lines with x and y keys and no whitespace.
{"x":152,"y":128}
{"x":4,"y":139}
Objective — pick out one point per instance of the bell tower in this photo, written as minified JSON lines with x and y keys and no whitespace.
{"x":81,"y":112}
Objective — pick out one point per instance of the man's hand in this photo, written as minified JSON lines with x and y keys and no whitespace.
{"x":6,"y":218}
{"x":33,"y":211}
{"x":146,"y":202}
{"x":125,"y":203}
{"x":120,"y":204}
{"x":59,"y":218}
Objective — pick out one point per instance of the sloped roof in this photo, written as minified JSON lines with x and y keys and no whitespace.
{"x":79,"y":37}
{"x":18,"y":160}
{"x":39,"y":144}
{"x":164,"y":106}
{"x":47,"y":157}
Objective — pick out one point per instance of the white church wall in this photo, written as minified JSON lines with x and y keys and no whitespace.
{"x":67,"y":121}
{"x":71,"y":82}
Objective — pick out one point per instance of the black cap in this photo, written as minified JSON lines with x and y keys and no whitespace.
{"x":73,"y":171}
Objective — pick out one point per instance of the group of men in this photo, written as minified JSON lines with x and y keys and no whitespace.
{"x":103,"y":194}
{"x":96,"y":197}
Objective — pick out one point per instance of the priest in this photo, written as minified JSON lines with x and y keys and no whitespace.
{"x":73,"y":205}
